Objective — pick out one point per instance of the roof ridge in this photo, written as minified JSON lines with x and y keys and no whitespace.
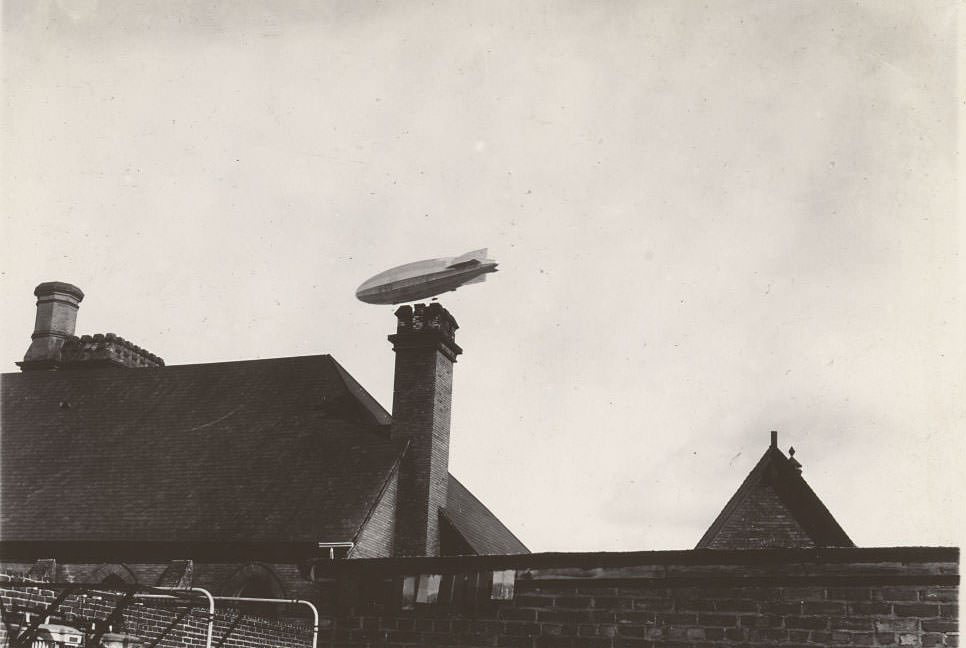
{"x":253,"y":360}
{"x":201,"y":364}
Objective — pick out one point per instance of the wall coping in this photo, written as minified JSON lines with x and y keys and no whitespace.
{"x":703,"y":568}
{"x":874,"y":564}
{"x":695,"y":557}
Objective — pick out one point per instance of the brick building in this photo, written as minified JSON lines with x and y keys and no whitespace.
{"x":234,"y":476}
{"x":247,"y":478}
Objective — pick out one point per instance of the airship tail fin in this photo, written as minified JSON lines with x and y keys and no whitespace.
{"x":470,"y":258}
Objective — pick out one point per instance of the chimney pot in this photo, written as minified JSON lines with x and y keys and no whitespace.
{"x":54,"y":345}
{"x":57,"y":305}
{"x":50,"y":287}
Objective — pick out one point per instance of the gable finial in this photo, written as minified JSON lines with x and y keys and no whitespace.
{"x":792,"y":460}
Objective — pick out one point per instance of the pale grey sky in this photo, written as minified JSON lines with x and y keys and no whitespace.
{"x":712,"y":219}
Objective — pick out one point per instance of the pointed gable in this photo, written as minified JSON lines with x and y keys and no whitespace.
{"x":774,"y":507}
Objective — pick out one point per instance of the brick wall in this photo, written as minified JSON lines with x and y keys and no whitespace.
{"x":777,"y":597}
{"x":223,"y":578}
{"x":807,"y":597}
{"x":378,"y":533}
{"x":762,"y":520}
{"x":152,"y":617}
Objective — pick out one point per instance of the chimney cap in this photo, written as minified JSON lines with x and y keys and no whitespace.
{"x":423,"y":326}
{"x":51,"y":287}
{"x":422,"y":317}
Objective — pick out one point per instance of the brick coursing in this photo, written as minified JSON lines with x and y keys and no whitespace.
{"x":774,"y":508}
{"x":422,"y":399}
{"x":220,"y":578}
{"x":792,"y":598}
{"x":676,"y":599}
{"x":761,"y":521}
{"x":421,"y":412}
{"x":378,"y":534}
{"x":150,"y":619}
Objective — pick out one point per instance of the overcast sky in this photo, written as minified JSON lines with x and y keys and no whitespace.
{"x":712,"y":220}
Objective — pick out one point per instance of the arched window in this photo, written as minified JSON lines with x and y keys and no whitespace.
{"x":256,"y":581}
{"x":258,"y":586}
{"x":114,"y":576}
{"x":113,"y":581}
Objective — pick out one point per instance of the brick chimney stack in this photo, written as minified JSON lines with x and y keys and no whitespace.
{"x":426,"y":349}
{"x":57,"y":305}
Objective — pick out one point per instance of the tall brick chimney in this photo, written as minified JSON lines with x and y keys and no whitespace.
{"x":57,"y":305}
{"x":426,"y":349}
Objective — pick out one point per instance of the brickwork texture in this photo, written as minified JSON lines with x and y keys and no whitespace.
{"x":152,"y":620}
{"x":795,"y":598}
{"x":762,"y":520}
{"x":425,"y":350}
{"x":702,"y":598}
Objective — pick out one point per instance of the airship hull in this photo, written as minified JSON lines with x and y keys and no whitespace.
{"x":424,"y":279}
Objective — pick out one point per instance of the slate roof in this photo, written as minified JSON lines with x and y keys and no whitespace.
{"x":276,"y":451}
{"x":774,"y":507}
{"x":280,"y":450}
{"x":476,"y":525}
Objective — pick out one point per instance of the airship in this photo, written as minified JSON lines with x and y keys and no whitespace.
{"x":427,"y":278}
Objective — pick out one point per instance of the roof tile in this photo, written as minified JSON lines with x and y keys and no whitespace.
{"x":279,"y":450}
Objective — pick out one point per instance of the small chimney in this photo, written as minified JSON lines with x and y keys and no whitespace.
{"x":426,"y":349}
{"x":57,"y":305}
